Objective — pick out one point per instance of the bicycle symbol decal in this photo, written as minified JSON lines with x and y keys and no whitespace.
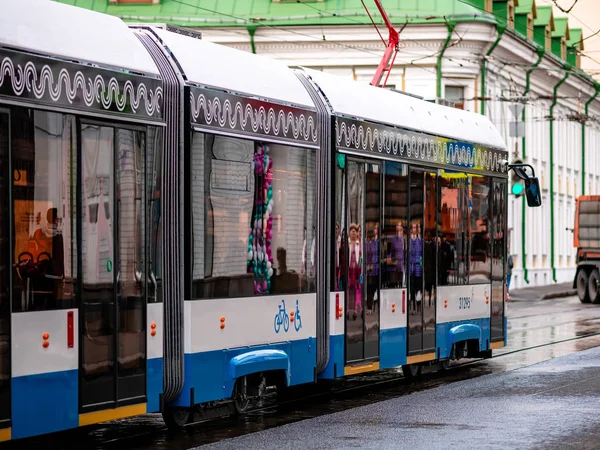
{"x":283,"y":319}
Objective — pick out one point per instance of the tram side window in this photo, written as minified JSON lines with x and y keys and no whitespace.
{"x":498,"y":200}
{"x":395,"y":225}
{"x":454,"y":250}
{"x":44,"y":157}
{"x":480,"y":271}
{"x":253,"y":218}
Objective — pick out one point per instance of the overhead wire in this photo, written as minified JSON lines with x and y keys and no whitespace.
{"x":411,"y":64}
{"x":253,"y":22}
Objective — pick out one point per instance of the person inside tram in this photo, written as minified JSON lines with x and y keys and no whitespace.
{"x":429,"y":275}
{"x":341,"y":268}
{"x":396,"y":257}
{"x":445,"y":260}
{"x":47,"y":250}
{"x":284,"y":281}
{"x":416,"y":267}
{"x":354,"y":271}
{"x":372,"y":268}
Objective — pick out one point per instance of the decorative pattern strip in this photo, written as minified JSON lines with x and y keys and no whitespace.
{"x":219,"y":110}
{"x":399,"y":143}
{"x":51,"y":82}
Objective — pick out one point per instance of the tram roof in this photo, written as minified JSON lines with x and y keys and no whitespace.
{"x":53,"y":29}
{"x":361,"y":100}
{"x":234,"y":70}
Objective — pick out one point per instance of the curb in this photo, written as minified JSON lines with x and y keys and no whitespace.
{"x":560,"y":294}
{"x":549,"y":296}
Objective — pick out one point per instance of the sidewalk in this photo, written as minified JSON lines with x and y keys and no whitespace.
{"x":542,"y":292}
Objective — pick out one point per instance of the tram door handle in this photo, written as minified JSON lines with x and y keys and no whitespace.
{"x":154,"y":283}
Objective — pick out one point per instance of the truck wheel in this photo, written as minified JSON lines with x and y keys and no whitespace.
{"x":582,"y":286}
{"x":594,"y":286}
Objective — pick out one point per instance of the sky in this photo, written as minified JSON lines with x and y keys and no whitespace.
{"x":585,"y":15}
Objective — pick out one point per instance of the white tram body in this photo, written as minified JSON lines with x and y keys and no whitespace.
{"x":184,"y":224}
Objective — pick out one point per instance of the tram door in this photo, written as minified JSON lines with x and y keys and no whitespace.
{"x":498,"y":259}
{"x":421,"y":262}
{"x":5,"y":370}
{"x":113,"y":338}
{"x":363,"y":269}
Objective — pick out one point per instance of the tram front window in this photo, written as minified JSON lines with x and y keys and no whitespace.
{"x":43,"y":178}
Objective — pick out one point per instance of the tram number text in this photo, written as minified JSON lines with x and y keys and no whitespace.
{"x":464,"y":302}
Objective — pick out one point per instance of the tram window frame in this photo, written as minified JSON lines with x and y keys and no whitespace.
{"x":447,"y":273}
{"x":44,"y":293}
{"x":293,"y":248}
{"x":480,"y":238}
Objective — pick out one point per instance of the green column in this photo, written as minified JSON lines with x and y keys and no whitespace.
{"x":252,"y":32}
{"x":554,"y":101}
{"x":450,"y":25}
{"x":500,"y":28}
{"x":587,"y":105}
{"x":540,"y":52}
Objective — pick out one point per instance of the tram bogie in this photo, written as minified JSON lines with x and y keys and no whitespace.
{"x":188,"y":226}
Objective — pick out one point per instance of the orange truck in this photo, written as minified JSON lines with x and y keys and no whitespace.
{"x":586,"y":239}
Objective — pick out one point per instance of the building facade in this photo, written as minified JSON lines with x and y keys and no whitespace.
{"x":512,"y":60}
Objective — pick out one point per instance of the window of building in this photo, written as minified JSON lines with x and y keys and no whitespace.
{"x":395,"y":225}
{"x":253,"y":218}
{"x":456,"y":94}
{"x":44,"y":162}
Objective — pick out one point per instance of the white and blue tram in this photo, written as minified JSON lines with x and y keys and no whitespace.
{"x":186,"y":224}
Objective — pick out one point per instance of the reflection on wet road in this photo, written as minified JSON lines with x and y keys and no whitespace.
{"x":538,"y":331}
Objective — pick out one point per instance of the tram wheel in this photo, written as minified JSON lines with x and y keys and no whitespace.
{"x":241,"y":400}
{"x":594,"y":286}
{"x":411,"y":371}
{"x":445,"y":363}
{"x":176,"y":417}
{"x":582,"y":286}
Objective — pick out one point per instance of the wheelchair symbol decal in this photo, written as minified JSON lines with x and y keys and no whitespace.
{"x":282,"y":318}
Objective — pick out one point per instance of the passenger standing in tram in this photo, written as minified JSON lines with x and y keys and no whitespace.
{"x":396,"y":256}
{"x":354,"y":271}
{"x":341,"y":273}
{"x":510,"y":264}
{"x":416,"y":268}
{"x":50,"y":253}
{"x":445,"y":261}
{"x":429,"y":256}
{"x":372,"y":268}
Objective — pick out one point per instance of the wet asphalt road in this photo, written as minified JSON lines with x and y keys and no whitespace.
{"x":553,"y":404}
{"x":538,"y":331}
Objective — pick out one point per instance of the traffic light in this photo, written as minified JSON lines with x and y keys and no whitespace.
{"x":517,"y":187}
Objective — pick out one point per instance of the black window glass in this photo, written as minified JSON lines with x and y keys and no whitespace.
{"x":44,"y":177}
